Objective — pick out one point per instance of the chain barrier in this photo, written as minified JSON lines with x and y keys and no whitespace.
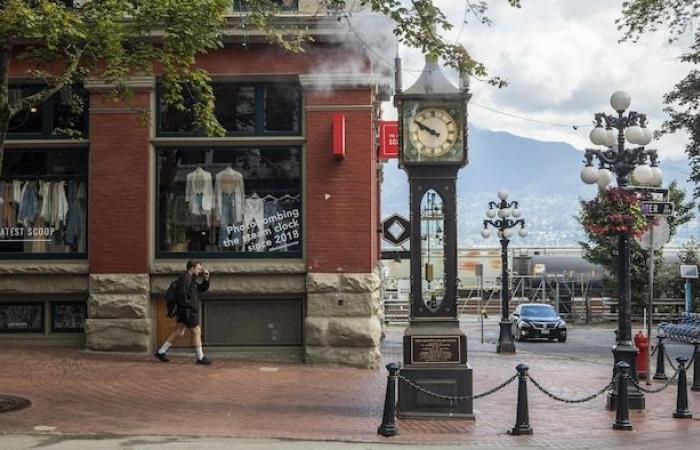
{"x":673,"y":366}
{"x":654,"y":391}
{"x":462,"y":398}
{"x":573,"y":400}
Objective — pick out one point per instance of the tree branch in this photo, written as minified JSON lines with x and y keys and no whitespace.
{"x":43,"y":95}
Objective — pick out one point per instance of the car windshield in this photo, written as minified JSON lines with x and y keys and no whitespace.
{"x":543,"y":312}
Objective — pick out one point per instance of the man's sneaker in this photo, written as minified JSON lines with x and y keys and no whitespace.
{"x":161,"y":356}
{"x":204,"y":361}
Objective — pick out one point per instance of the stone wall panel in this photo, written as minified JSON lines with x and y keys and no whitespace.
{"x":363,"y":357}
{"x":118,"y":334}
{"x":119,"y":283}
{"x":118,"y":306}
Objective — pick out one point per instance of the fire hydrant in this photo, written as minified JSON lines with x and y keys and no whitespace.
{"x":642,"y":343}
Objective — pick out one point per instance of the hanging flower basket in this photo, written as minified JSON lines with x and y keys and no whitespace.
{"x":614,"y":212}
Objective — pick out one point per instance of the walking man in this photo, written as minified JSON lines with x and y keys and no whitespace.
{"x":188,"y":311}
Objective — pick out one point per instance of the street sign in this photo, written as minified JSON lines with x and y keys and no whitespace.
{"x":688,"y":271}
{"x":396,"y":229}
{"x":656,"y":208}
{"x":662,"y":234}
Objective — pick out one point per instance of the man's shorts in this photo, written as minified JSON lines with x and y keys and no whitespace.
{"x":188,"y":316}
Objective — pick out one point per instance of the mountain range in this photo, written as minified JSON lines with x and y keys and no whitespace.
{"x":542,"y":176}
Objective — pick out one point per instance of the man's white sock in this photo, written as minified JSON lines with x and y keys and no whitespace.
{"x":200,"y":353}
{"x":164,"y":348}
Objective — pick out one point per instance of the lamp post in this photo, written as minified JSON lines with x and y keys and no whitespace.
{"x":503,"y":209}
{"x":619,"y":161}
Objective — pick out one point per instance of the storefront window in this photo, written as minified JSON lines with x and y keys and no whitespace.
{"x":230,"y":201}
{"x":63,"y":113}
{"x":241,"y":108}
{"x":67,"y":317}
{"x":43,"y":200}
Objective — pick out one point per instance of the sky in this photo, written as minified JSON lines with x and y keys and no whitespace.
{"x":562,"y":60}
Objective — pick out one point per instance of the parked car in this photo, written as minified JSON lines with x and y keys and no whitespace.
{"x":535,"y":320}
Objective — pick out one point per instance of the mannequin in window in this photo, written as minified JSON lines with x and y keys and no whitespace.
{"x":230,"y":195}
{"x":199,"y":193}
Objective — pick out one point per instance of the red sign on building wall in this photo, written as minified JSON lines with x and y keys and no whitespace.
{"x":388,"y":139}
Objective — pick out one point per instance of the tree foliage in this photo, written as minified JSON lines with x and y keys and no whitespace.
{"x":683,"y":102}
{"x":603,"y":250}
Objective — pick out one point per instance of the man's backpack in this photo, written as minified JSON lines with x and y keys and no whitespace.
{"x":171,"y":298}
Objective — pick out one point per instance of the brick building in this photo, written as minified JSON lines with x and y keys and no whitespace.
{"x":94,"y":229}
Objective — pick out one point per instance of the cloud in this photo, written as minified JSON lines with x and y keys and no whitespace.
{"x":562,"y":60}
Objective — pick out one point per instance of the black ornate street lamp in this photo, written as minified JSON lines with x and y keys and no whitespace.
{"x":503,"y":209}
{"x":619,"y":161}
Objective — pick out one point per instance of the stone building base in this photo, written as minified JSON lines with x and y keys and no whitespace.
{"x":342,"y":324}
{"x":119,"y":313}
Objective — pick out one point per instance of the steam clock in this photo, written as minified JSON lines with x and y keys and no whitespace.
{"x":433,"y":143}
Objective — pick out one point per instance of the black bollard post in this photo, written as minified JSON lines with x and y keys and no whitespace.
{"x":622,"y":417}
{"x":522,"y":419}
{"x":660,"y":361}
{"x":696,"y":367}
{"x":681,"y":411}
{"x":388,"y":426}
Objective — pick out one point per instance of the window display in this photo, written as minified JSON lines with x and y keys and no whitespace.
{"x":241,"y":108}
{"x":21,"y":317}
{"x":43,"y":201}
{"x":230,"y":201}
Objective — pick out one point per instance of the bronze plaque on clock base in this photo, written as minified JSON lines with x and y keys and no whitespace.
{"x":435,"y":358}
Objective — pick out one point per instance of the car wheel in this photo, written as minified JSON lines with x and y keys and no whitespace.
{"x":562,"y":339}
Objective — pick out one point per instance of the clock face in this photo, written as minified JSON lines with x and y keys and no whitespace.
{"x":433,"y":132}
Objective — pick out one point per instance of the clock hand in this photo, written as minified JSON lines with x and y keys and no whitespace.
{"x":427,"y":128}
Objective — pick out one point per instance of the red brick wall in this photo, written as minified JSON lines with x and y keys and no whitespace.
{"x":341,"y":230}
{"x":119,"y":186}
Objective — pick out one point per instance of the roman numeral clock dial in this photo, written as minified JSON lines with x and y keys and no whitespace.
{"x":434,"y":134}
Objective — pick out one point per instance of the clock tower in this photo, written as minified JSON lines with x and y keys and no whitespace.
{"x":433,"y":148}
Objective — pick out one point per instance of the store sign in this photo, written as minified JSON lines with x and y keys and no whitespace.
{"x":388,"y":139}
{"x":27,"y":234}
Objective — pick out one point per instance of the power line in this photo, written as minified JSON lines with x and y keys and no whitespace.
{"x":530,"y":119}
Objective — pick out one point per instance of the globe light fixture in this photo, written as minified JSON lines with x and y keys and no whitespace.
{"x":599,"y":136}
{"x":605,"y":177}
{"x":647,"y":136}
{"x":485,"y":233}
{"x":503,"y":194}
{"x":491,"y":213}
{"x":503,"y":213}
{"x":516,"y":212}
{"x":589,"y":174}
{"x":656,"y":176}
{"x":620,"y":101}
{"x":508,"y":233}
{"x":634,"y":135}
{"x":522,"y":232}
{"x":643,"y":174}
{"x":610,"y":138}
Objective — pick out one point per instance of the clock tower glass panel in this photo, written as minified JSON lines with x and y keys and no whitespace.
{"x":432,"y":228}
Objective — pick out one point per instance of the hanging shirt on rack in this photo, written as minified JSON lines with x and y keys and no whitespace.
{"x":199,"y":192}
{"x":74,"y":218}
{"x":59,"y":204}
{"x":29,"y":204}
{"x":17,"y":192}
{"x":9,"y":209}
{"x":230,"y":181}
{"x":253,"y":215}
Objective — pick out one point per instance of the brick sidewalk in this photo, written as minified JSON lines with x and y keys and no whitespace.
{"x":84,"y":393}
